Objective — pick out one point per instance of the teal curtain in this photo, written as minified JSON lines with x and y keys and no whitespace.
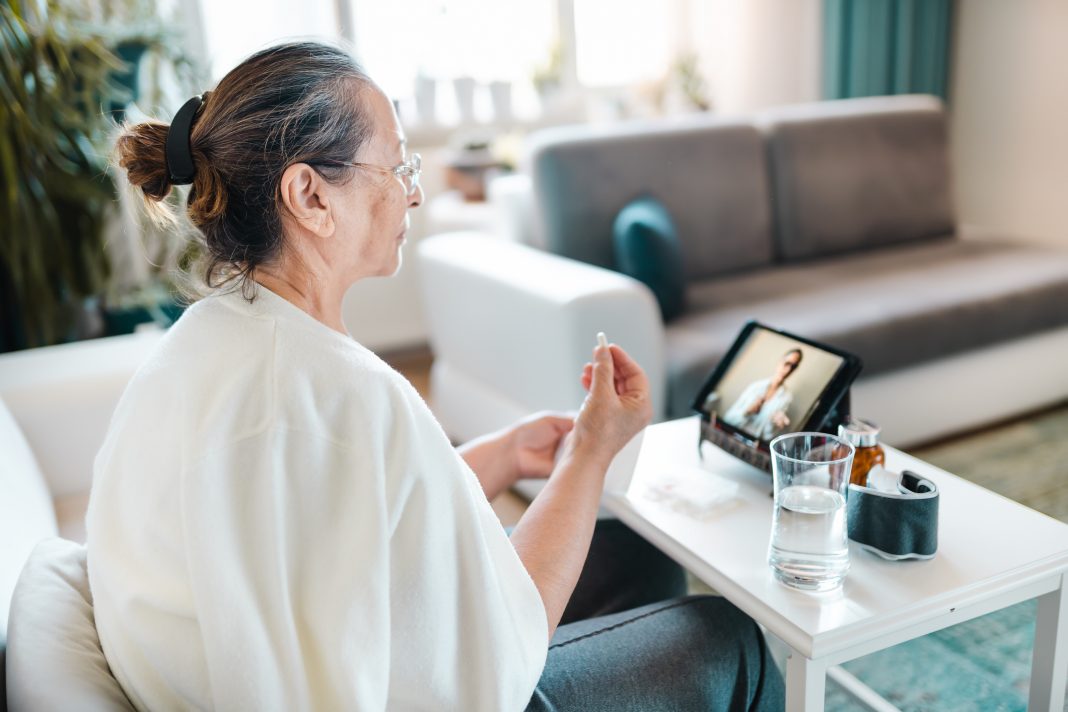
{"x":878,"y":47}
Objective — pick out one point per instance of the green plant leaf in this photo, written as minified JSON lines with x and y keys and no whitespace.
{"x":58,"y":85}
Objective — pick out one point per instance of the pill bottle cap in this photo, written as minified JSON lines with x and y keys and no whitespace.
{"x":859,"y":433}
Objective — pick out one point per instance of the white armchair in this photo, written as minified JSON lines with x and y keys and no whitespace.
{"x":55,"y":406}
{"x":62,"y":398}
{"x":512,"y":326}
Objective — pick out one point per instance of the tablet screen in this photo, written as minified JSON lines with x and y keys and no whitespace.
{"x":771,"y":384}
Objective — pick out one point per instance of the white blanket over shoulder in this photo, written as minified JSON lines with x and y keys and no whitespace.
{"x":278,"y":522}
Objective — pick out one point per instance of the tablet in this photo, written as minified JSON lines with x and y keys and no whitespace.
{"x":771,"y":382}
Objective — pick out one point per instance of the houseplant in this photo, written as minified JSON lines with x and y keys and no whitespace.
{"x":548,"y":77}
{"x":63,"y":87}
{"x":56,"y":192}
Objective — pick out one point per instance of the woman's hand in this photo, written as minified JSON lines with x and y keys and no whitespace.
{"x":526,"y":449}
{"x":617,"y":404}
{"x":553,"y":536}
{"x":535,"y":440}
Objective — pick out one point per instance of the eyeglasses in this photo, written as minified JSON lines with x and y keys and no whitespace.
{"x":408,"y":172}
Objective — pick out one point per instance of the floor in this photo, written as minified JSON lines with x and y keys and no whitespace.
{"x":1025,"y":460}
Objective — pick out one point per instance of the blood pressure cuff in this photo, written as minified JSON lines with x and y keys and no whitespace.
{"x":896,"y":525}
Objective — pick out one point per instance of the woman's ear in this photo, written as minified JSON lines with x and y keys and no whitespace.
{"x":304,"y":193}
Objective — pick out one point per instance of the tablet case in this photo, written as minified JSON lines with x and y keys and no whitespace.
{"x":835,"y":412}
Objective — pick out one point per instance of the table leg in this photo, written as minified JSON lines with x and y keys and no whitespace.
{"x":806,"y":682}
{"x":1049,"y":660}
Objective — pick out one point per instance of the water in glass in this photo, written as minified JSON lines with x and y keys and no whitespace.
{"x":809,"y":548}
{"x":808,"y":538}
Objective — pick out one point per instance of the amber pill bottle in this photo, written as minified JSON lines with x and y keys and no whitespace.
{"x":863,"y":435}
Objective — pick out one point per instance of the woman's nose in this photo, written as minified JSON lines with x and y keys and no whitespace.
{"x":416,"y":198}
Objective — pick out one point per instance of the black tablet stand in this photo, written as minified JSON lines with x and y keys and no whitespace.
{"x":749,"y":451}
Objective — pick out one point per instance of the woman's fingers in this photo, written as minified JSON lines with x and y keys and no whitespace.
{"x":629,"y":373}
{"x":603,"y":377}
{"x":547,"y":422}
{"x":617,"y":404}
{"x":625,"y":365}
{"x":587,"y":379}
{"x":561,"y":424}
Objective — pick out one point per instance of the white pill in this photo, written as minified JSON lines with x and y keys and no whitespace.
{"x":601,"y":339}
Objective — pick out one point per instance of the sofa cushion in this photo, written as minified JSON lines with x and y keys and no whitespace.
{"x":26,"y":513}
{"x":858,"y":173}
{"x":710,"y":174}
{"x":54,"y":658}
{"x":894,"y":307}
{"x":647,"y":249}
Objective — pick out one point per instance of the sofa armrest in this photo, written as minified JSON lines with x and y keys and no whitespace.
{"x":520,"y":322}
{"x":63,"y":396}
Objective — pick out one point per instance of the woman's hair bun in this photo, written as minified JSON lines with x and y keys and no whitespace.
{"x":141,"y":150}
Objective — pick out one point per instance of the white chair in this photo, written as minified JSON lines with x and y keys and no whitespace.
{"x":55,"y":406}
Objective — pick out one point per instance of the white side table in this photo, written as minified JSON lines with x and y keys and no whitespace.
{"x":993,"y":553}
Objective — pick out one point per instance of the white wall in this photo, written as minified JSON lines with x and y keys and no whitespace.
{"x":758,"y":53}
{"x":1009,"y":124}
{"x":386,"y":313}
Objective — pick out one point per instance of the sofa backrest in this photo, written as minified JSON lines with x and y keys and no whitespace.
{"x":709,"y":173}
{"x":858,"y":173}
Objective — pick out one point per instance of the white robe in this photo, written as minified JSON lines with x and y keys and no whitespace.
{"x":278,"y":522}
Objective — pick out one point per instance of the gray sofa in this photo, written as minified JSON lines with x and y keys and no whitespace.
{"x":834,"y":220}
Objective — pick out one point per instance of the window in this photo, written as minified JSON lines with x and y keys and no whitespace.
{"x":487,"y":40}
{"x":623,"y":43}
{"x":596,"y":43}
{"x":236,"y":28}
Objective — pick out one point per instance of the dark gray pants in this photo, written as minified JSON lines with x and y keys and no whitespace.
{"x":630,"y":639}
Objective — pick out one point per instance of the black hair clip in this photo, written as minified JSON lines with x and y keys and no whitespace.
{"x":179,"y":152}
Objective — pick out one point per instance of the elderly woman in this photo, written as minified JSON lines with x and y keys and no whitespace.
{"x":278,"y":522}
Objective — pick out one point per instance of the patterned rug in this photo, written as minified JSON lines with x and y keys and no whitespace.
{"x":982,"y":664}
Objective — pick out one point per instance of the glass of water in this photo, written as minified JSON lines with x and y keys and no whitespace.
{"x":809,"y":549}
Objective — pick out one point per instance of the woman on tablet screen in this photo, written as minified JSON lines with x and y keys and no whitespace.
{"x":761,"y":409}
